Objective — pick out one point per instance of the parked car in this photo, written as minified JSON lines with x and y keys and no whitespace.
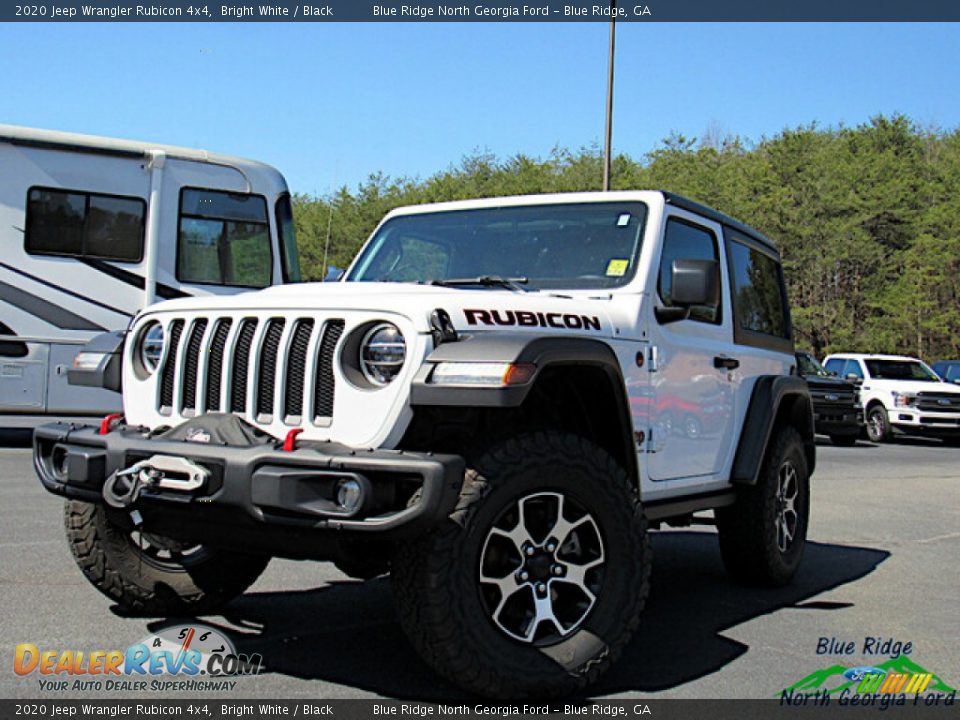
{"x":457,"y":411}
{"x":901,"y":394}
{"x":837,"y":411}
{"x":948,"y":370}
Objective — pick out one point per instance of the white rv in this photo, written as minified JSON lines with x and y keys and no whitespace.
{"x":94,"y":229}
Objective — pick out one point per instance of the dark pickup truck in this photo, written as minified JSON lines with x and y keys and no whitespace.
{"x":837,"y":411}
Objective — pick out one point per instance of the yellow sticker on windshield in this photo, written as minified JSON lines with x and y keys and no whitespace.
{"x":617,"y":268}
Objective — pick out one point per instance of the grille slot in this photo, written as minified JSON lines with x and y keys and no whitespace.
{"x":296,"y":371}
{"x":191,"y":366}
{"x":241,"y":366}
{"x":324,"y":381}
{"x":215,"y":364}
{"x":170,"y":367}
{"x":267,"y":374}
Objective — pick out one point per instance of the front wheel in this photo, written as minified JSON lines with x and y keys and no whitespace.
{"x":878,"y":424}
{"x":152,"y":574}
{"x":763,"y":534}
{"x":535,"y":583}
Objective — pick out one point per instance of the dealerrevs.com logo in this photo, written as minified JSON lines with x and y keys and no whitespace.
{"x":181,"y":657}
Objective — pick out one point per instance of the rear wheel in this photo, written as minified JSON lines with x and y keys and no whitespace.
{"x":152,"y":574}
{"x":535,"y":583}
{"x":763,"y":534}
{"x":878,"y":424}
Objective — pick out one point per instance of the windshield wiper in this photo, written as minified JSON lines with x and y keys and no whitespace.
{"x":486,"y":281}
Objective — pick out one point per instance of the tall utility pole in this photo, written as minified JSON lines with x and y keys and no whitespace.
{"x":609,"y":130}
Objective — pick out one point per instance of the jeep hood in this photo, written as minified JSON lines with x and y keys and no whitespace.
{"x":470,"y":309}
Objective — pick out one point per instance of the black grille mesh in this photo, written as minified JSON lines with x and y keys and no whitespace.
{"x":241,"y":366}
{"x":191,"y":366}
{"x":215,"y":364}
{"x":296,"y":368}
{"x":170,"y":366}
{"x":266,"y":380}
{"x":323,"y":400}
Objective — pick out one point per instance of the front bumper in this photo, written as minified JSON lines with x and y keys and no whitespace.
{"x":911,"y":421}
{"x":830,"y":420}
{"x":259,"y":496}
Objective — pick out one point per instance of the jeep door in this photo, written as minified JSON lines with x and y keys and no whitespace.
{"x":692,"y":393}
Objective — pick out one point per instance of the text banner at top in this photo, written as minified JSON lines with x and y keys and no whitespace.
{"x":490,"y":11}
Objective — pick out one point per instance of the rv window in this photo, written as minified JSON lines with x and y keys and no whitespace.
{"x":78,"y":224}
{"x":224,"y":239}
{"x":290,"y":261}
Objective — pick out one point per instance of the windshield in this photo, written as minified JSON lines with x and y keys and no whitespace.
{"x":289,"y":259}
{"x":900,"y":370}
{"x":809,"y":365}
{"x":573,"y":246}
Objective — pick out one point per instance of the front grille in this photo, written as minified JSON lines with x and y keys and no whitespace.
{"x":833,"y":397}
{"x":938,"y":402}
{"x":278,"y":369}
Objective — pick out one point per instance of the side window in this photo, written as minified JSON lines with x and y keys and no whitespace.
{"x":224,"y":239}
{"x":953,"y":373}
{"x":686,"y":241}
{"x":835,"y":365}
{"x":759,"y":299}
{"x":72,"y":223}
{"x":853,"y":368}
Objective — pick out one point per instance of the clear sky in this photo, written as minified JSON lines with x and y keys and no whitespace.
{"x":328,"y":104}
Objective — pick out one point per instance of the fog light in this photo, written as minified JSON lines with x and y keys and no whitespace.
{"x":349,"y":494}
{"x":58,"y":462}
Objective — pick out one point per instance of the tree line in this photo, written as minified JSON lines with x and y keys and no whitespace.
{"x":867,"y":218}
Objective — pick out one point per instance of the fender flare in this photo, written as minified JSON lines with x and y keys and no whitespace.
{"x":775,"y":400}
{"x":510,"y":347}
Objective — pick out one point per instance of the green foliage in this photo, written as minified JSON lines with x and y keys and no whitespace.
{"x":867,"y":218}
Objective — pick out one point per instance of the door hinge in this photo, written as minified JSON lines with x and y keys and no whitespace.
{"x":651,"y":447}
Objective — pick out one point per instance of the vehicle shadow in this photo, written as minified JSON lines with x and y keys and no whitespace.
{"x":347,"y":632}
{"x":15,"y":438}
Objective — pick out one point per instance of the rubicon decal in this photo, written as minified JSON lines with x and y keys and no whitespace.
{"x":528,"y":318}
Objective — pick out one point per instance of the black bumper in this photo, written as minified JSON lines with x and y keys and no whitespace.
{"x":259,"y":496}
{"x":837,"y":421}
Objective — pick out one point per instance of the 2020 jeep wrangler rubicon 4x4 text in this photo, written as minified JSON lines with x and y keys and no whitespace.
{"x":495,"y":405}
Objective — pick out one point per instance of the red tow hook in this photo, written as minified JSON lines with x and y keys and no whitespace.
{"x":107,"y":422}
{"x":290,"y":441}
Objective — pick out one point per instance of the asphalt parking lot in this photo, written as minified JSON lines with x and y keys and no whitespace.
{"x":882,"y":562}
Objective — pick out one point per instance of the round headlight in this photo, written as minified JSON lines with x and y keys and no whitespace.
{"x":150,"y":348}
{"x":382,"y":353}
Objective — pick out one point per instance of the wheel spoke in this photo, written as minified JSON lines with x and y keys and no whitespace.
{"x":543,"y":612}
{"x":577,"y":574}
{"x":518,"y":535}
{"x":507,"y":585}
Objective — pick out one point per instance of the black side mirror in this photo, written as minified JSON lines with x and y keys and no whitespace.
{"x":692,"y":282}
{"x":854,"y":378}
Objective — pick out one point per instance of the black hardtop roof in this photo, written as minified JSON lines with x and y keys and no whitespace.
{"x":686,"y":203}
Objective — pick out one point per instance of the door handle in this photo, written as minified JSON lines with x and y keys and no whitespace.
{"x":727,"y":363}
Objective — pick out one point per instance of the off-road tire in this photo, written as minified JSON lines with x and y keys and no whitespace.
{"x":436,"y":577}
{"x":844,"y":440}
{"x":878,"y":425}
{"x":748,"y":529}
{"x":112,"y":562}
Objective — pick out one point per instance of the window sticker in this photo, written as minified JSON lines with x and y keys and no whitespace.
{"x":617,"y":268}
{"x":623,"y":220}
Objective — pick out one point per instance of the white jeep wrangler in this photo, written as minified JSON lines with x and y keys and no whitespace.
{"x":494,"y":405}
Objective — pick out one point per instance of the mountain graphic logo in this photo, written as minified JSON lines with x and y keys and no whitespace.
{"x":898,"y":675}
